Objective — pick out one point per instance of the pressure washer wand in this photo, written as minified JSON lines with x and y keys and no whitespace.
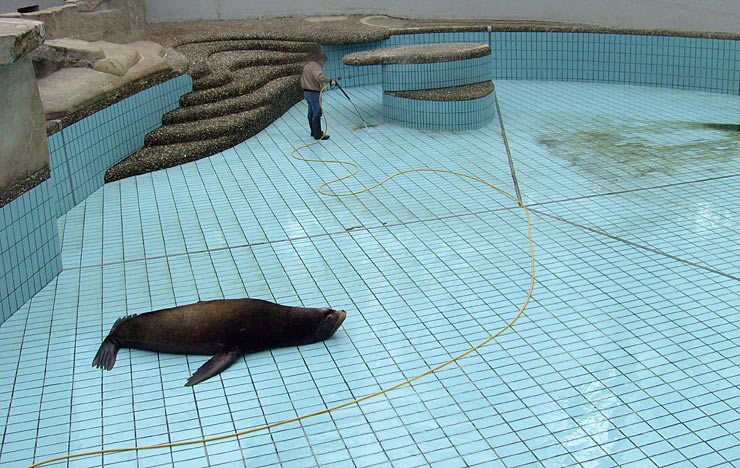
{"x":353,"y":104}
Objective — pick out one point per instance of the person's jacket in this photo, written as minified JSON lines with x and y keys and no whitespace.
{"x":313,"y":77}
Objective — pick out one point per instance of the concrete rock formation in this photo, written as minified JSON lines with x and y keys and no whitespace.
{"x":56,"y":54}
{"x":81,"y":73}
{"x":23,"y":147}
{"x":91,"y":19}
{"x":19,"y":37}
{"x":118,"y":58}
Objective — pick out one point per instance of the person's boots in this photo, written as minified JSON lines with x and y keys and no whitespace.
{"x":316,"y":130}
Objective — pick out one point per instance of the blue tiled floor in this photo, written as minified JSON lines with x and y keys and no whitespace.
{"x":627,"y":355}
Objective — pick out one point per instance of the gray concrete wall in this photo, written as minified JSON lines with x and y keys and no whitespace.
{"x":23,"y":146}
{"x":704,"y":15}
{"x":11,"y":6}
{"x":112,"y":20}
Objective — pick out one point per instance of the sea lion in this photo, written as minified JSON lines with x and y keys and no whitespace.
{"x":224,"y":328}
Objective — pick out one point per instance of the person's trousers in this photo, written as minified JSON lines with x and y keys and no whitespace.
{"x":314,"y":113}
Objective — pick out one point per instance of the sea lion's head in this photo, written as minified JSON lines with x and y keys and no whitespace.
{"x":329,"y":321}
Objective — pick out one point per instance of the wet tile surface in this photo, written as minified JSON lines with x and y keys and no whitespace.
{"x":626,"y":356}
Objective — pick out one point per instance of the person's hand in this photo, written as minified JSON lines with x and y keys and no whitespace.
{"x":332,"y":83}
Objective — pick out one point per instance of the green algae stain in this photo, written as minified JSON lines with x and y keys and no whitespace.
{"x":612,"y":148}
{"x":363,"y":127}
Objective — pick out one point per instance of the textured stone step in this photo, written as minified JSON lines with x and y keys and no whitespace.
{"x":149,"y":159}
{"x":211,"y":80}
{"x":152,"y":158}
{"x":221,"y":125}
{"x":260,"y":97}
{"x":203,"y":129}
{"x":223,"y":65}
{"x":238,"y":59}
{"x":203,"y":50}
{"x":247,"y":81}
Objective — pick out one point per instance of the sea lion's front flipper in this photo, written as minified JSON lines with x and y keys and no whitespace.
{"x":213,"y":366}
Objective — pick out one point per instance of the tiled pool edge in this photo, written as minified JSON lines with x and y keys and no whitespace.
{"x":698,"y":64}
{"x":79,"y":155}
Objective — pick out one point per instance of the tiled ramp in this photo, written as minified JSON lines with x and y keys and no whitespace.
{"x":627,"y":355}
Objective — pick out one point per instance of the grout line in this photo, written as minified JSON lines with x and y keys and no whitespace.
{"x":641,"y":189}
{"x":69,"y":171}
{"x":292,"y":239}
{"x":636,"y":245}
{"x":439,"y":218}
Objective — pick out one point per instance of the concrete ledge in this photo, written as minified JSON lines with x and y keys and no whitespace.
{"x":416,"y":54}
{"x":18,"y":37}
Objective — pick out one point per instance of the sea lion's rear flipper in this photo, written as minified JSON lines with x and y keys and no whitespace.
{"x":213,"y":366}
{"x":106,"y":355}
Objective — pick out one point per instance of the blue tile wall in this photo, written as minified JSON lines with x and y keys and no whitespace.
{"x":351,"y":76}
{"x":96,"y":143}
{"x":29,"y":246}
{"x":439,"y":115}
{"x":413,"y":76}
{"x":79,"y":155}
{"x":58,"y":164}
{"x":674,"y":62}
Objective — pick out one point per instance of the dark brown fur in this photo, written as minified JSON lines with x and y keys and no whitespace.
{"x":225,"y":328}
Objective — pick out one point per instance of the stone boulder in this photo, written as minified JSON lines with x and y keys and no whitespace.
{"x":23,"y":146}
{"x":65,"y":53}
{"x":94,"y":70}
{"x":18,"y":37}
{"x":71,"y":89}
{"x":118,"y":58}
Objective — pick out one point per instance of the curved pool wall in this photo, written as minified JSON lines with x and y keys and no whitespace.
{"x":79,"y":155}
{"x":455,"y":116}
{"x":689,"y":63}
{"x":415,"y":76}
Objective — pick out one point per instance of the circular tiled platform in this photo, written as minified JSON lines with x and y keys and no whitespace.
{"x":458,"y":108}
{"x":434,"y":86}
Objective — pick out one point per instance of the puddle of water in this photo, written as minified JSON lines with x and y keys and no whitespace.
{"x":639,"y":148}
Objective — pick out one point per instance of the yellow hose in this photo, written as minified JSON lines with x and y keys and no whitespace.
{"x":431,"y":370}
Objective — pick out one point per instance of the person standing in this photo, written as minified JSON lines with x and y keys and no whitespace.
{"x":312,"y":80}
